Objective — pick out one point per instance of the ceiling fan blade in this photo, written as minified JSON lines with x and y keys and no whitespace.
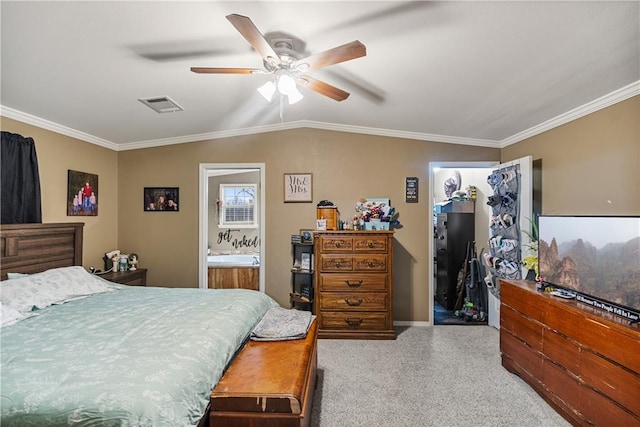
{"x":176,"y":56}
{"x":217,"y":70}
{"x":322,"y":88}
{"x":357,"y":84}
{"x":250,"y":32}
{"x":343,"y":53}
{"x":177,"y":50}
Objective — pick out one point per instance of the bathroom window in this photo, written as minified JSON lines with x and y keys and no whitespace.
{"x":237,"y":206}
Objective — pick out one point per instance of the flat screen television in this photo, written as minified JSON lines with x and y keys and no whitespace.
{"x":597,"y":257}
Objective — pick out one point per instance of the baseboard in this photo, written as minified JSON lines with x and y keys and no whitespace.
{"x":418,"y":323}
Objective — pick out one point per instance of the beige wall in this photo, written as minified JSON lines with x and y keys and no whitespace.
{"x":591,"y":165}
{"x":56,"y":155}
{"x":345,"y":167}
{"x":586,"y":164}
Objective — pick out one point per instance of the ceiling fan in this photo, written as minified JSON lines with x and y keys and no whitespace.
{"x":287,"y":64}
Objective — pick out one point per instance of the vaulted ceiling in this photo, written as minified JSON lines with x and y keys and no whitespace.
{"x":474,"y":72}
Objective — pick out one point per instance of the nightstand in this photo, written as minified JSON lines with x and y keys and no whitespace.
{"x":132,"y":278}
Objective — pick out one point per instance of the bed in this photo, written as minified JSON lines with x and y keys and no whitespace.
{"x":111,"y":354}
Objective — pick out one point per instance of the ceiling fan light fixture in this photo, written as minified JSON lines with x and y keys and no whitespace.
{"x":282,"y":56}
{"x":287,"y":86}
{"x":267,"y":90}
{"x":294,"y":96}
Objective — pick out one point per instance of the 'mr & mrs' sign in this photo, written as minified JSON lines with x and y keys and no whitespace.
{"x":297,"y":187}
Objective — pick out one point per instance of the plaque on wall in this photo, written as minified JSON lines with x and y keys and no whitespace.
{"x":411,"y":189}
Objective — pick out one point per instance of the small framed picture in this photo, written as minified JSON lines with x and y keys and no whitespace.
{"x":298,"y":187}
{"x":305,"y":261}
{"x":321,"y":224}
{"x":161,"y":199}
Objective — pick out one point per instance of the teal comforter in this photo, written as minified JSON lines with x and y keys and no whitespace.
{"x":134,"y":357}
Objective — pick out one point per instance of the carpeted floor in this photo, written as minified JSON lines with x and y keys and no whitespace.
{"x":429,"y":376}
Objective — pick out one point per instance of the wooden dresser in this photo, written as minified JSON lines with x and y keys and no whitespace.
{"x":354,"y":284}
{"x":583,"y":361}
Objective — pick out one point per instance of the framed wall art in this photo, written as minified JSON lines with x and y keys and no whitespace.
{"x":162,"y":199}
{"x":298,"y":187}
{"x":411,"y":189}
{"x":82,"y":194}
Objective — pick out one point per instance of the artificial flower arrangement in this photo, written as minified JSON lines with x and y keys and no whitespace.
{"x":375,"y":210}
{"x":530,"y":261}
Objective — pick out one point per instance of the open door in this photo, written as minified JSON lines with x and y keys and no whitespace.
{"x":511,"y":207}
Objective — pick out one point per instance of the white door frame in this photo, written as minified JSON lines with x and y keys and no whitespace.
{"x":205,"y":170}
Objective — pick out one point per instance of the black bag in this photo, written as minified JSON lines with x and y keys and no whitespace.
{"x":475,"y":304}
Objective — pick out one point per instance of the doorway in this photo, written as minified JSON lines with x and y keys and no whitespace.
{"x":470,"y":174}
{"x":529,"y":201}
{"x":208,"y":173}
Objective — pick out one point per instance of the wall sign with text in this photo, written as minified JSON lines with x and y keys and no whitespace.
{"x":298,"y":187}
{"x":411,"y":189}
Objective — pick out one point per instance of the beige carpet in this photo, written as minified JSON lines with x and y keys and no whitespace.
{"x":429,"y":376}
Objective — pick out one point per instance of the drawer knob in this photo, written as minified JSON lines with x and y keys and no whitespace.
{"x":338,"y":264}
{"x":354,"y":284}
{"x":353,"y":321}
{"x":370,"y":244}
{"x":353,"y":302}
{"x":338,"y":244}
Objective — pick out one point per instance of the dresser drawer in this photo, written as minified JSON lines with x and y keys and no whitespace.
{"x":372,"y":262}
{"x":335,"y":262}
{"x":353,"y":282}
{"x":370,"y":244}
{"x":353,"y":301}
{"x":336,"y":243}
{"x":352,"y":321}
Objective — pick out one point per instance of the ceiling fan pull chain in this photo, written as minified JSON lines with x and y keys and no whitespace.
{"x":281,"y":109}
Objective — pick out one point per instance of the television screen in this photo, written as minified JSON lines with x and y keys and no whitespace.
{"x":597,"y":257}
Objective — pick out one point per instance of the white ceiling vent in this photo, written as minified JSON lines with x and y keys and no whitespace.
{"x":161,"y":104}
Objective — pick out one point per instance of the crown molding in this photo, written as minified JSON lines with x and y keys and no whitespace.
{"x":206,"y":136}
{"x":403,"y":134}
{"x":614,"y":97}
{"x":302,"y":124}
{"x":30,"y":119}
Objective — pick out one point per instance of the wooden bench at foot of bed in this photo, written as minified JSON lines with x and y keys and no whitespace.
{"x":269,"y":384}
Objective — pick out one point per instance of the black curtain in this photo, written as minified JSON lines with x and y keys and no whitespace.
{"x":20,"y":181}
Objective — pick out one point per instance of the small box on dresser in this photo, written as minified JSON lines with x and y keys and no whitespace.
{"x":354,"y":284}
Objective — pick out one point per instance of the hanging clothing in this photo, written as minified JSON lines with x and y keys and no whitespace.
{"x":19,"y":180}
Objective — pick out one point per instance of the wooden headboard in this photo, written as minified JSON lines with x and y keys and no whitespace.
{"x":32,"y":248}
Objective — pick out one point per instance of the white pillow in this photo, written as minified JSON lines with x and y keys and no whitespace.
{"x":53,"y":286}
{"x":10,"y":315}
{"x":15,"y":275}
